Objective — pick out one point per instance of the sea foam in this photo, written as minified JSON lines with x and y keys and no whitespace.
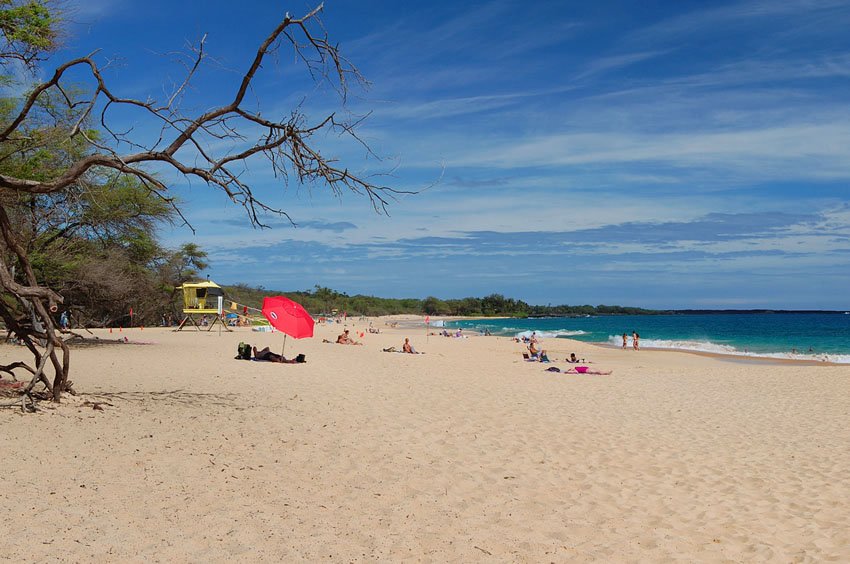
{"x":716,"y":348}
{"x":550,"y":334}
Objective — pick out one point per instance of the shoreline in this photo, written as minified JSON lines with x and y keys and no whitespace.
{"x":776,"y":357}
{"x":726,"y":357}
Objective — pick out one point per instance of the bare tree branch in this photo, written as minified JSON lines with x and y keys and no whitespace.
{"x":213,"y":146}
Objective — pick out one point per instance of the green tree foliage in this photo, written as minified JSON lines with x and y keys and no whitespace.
{"x":182,"y":265}
{"x":434,"y":306}
{"x":94,"y":242}
{"x":322,"y":301}
{"x":27,"y":29}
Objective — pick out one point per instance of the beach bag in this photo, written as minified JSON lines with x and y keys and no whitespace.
{"x":243,"y":351}
{"x":300,"y":358}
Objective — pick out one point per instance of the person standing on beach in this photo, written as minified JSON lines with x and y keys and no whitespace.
{"x":625,"y":341}
{"x":635,"y":341}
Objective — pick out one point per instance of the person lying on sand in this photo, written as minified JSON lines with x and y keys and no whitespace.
{"x":573,"y":359}
{"x":345,"y":339}
{"x":269,"y":356}
{"x":579,"y":370}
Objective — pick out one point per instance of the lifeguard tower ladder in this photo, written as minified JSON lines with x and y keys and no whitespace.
{"x":200,"y":299}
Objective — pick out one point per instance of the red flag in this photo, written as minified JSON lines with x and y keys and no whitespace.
{"x":131,"y":312}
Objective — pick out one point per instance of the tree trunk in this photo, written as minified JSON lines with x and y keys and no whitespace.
{"x":28,"y":315}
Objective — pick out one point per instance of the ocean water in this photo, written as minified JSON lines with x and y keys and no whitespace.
{"x":802,"y":336}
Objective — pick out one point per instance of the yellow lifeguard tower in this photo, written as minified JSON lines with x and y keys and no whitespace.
{"x":203,"y":299}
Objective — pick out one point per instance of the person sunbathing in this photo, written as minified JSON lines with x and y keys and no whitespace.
{"x":407,"y":347}
{"x":536,"y":355}
{"x":345,"y":339}
{"x":578,"y":370}
{"x":269,"y":356}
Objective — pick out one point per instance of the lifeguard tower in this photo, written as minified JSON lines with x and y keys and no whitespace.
{"x":202,"y":299}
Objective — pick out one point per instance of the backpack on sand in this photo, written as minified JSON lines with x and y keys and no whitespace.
{"x":243,"y":351}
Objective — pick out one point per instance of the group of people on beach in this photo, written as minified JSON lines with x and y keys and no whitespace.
{"x":537,"y":354}
{"x":457,"y":334}
{"x":345,"y":338}
{"x":635,"y":341}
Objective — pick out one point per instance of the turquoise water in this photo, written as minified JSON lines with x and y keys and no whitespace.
{"x":807,"y":336}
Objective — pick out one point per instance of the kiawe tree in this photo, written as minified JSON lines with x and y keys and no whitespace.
{"x":28,"y":29}
{"x":51,"y":126}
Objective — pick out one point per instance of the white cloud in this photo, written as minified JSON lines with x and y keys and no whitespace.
{"x":605,"y":64}
{"x":813,"y":151}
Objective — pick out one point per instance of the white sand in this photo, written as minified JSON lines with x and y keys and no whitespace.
{"x":463,"y":453}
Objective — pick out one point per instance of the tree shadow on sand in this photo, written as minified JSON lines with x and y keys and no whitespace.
{"x":173,"y":397}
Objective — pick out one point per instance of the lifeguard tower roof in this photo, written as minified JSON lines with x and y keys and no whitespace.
{"x":201,"y":297}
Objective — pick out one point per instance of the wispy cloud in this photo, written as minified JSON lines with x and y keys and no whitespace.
{"x":819,"y":151}
{"x":615,"y":62}
{"x":716,"y":20}
{"x":82,"y":12}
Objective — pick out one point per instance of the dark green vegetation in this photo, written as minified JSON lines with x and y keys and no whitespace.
{"x":94,"y":242}
{"x":324,"y":300}
{"x":28,"y":30}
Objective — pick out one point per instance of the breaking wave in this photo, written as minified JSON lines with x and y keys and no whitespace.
{"x":550,"y":334}
{"x":716,"y":348}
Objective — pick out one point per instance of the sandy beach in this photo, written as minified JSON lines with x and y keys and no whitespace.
{"x":464,"y":453}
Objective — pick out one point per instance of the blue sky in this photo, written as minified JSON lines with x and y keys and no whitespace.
{"x":655,"y":154}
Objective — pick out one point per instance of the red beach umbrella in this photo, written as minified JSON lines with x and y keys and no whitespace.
{"x":288,"y":317}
